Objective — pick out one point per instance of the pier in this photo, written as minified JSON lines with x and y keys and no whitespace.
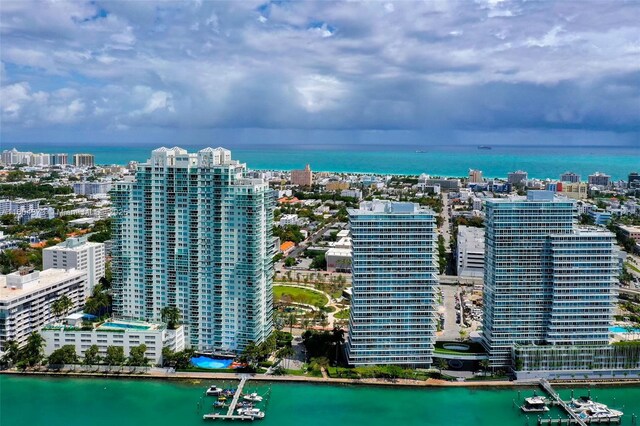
{"x":232,"y":407}
{"x":553,"y":394}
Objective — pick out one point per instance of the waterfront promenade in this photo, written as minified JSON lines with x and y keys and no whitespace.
{"x":162,"y":374}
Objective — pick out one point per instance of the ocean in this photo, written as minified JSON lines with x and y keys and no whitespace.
{"x":60,"y":401}
{"x":435,"y":160}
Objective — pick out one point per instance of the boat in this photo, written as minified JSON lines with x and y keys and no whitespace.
{"x":219,"y":404}
{"x":419,"y":151}
{"x":535,"y":404}
{"x":222,"y":398}
{"x":253,"y":397}
{"x":253,"y":412}
{"x":214,"y":390}
{"x":484,"y":147}
{"x":588,"y":409}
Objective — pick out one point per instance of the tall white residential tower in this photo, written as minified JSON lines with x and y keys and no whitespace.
{"x":192,"y":232}
{"x":394,"y":284}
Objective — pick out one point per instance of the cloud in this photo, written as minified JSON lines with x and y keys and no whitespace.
{"x":491,"y":64}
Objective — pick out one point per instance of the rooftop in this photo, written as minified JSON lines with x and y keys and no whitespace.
{"x":74,"y":244}
{"x":389,"y":207}
{"x":34,"y":282}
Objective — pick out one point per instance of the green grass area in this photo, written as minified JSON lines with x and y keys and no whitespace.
{"x":300,"y":295}
{"x":632,"y":267}
{"x":343,"y":314}
{"x":474,"y":348}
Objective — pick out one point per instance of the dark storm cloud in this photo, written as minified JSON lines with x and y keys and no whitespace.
{"x":320,"y":65}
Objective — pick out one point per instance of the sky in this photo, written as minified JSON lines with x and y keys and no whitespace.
{"x":436,"y":71}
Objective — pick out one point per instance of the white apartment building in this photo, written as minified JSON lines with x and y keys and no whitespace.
{"x":91,"y":188}
{"x":470,"y":252}
{"x":338,"y":257}
{"x":394,"y":275}
{"x":126,"y":334}
{"x":77,"y":253}
{"x":26,"y":299}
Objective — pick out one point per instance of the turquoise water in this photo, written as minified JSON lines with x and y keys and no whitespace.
{"x":623,"y":330}
{"x":211,"y":363}
{"x":437,"y":160}
{"x":103,"y":402}
{"x":126,"y":326}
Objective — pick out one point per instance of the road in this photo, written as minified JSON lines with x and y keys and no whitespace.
{"x":309,"y":241}
{"x":451,"y":328}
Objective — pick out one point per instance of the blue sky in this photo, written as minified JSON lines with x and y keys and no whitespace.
{"x":437,"y":71}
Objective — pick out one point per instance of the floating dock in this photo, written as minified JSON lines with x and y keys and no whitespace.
{"x":574,"y":418}
{"x":232,"y":407}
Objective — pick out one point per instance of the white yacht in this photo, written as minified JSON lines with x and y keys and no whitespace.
{"x":253,"y":412}
{"x":588,"y":409}
{"x":535,"y":404}
{"x":253,"y":397}
{"x":214,"y":390}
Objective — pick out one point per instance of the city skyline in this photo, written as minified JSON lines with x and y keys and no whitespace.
{"x":332,"y":72}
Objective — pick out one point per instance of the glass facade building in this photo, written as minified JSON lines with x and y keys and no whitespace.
{"x":393,"y":304}
{"x":192,"y":232}
{"x":547,"y":282}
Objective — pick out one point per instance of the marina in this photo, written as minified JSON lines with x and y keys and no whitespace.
{"x":582,"y":411}
{"x":237,"y":409}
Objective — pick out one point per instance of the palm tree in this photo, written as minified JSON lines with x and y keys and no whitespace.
{"x":442,"y":364}
{"x":11,"y":352}
{"x":291,"y":321}
{"x":61,"y":306}
{"x":170,"y":315}
{"x":484,"y":364}
{"x":285,"y":353}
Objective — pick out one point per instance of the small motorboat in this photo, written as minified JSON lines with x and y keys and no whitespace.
{"x":253,"y":397}
{"x":214,"y":390}
{"x":253,"y":412}
{"x":535,"y":404}
{"x":222,"y":398}
{"x":219,"y":404}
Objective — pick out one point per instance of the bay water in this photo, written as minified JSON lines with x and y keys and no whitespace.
{"x":63,"y":401}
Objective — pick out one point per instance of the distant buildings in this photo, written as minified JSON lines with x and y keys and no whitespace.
{"x":576,"y":190}
{"x":600,"y":217}
{"x":14,"y":157}
{"x":517,"y":178}
{"x":470,"y":252}
{"x":83,"y":160}
{"x":569,"y":177}
{"x":394,"y":284}
{"x":600,"y":179}
{"x":339,"y":254}
{"x":475,"y":176}
{"x":25,"y":210}
{"x":634,"y":181}
{"x":428,"y":184}
{"x":547,"y":283}
{"x":77,"y":253}
{"x":192,"y":232}
{"x":336,"y":185}
{"x":632,"y":232}
{"x":91,"y":188}
{"x":26,"y":298}
{"x":302,"y":177}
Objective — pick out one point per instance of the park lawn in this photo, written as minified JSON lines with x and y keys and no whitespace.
{"x":630,"y":266}
{"x":300,"y":295}
{"x":343,"y":314}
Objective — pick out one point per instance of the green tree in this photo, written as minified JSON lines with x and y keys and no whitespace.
{"x":289,"y":262}
{"x":137,"y":356}
{"x":91,"y":356}
{"x":11,"y":353}
{"x":61,"y":306}
{"x":484,"y":364}
{"x":64,"y":355}
{"x":115,"y":355}
{"x":33,"y":352}
{"x":170,"y":315}
{"x":442,"y":364}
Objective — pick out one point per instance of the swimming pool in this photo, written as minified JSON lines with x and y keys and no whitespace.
{"x":124,"y":325}
{"x":211,"y":363}
{"x":622,"y":330}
